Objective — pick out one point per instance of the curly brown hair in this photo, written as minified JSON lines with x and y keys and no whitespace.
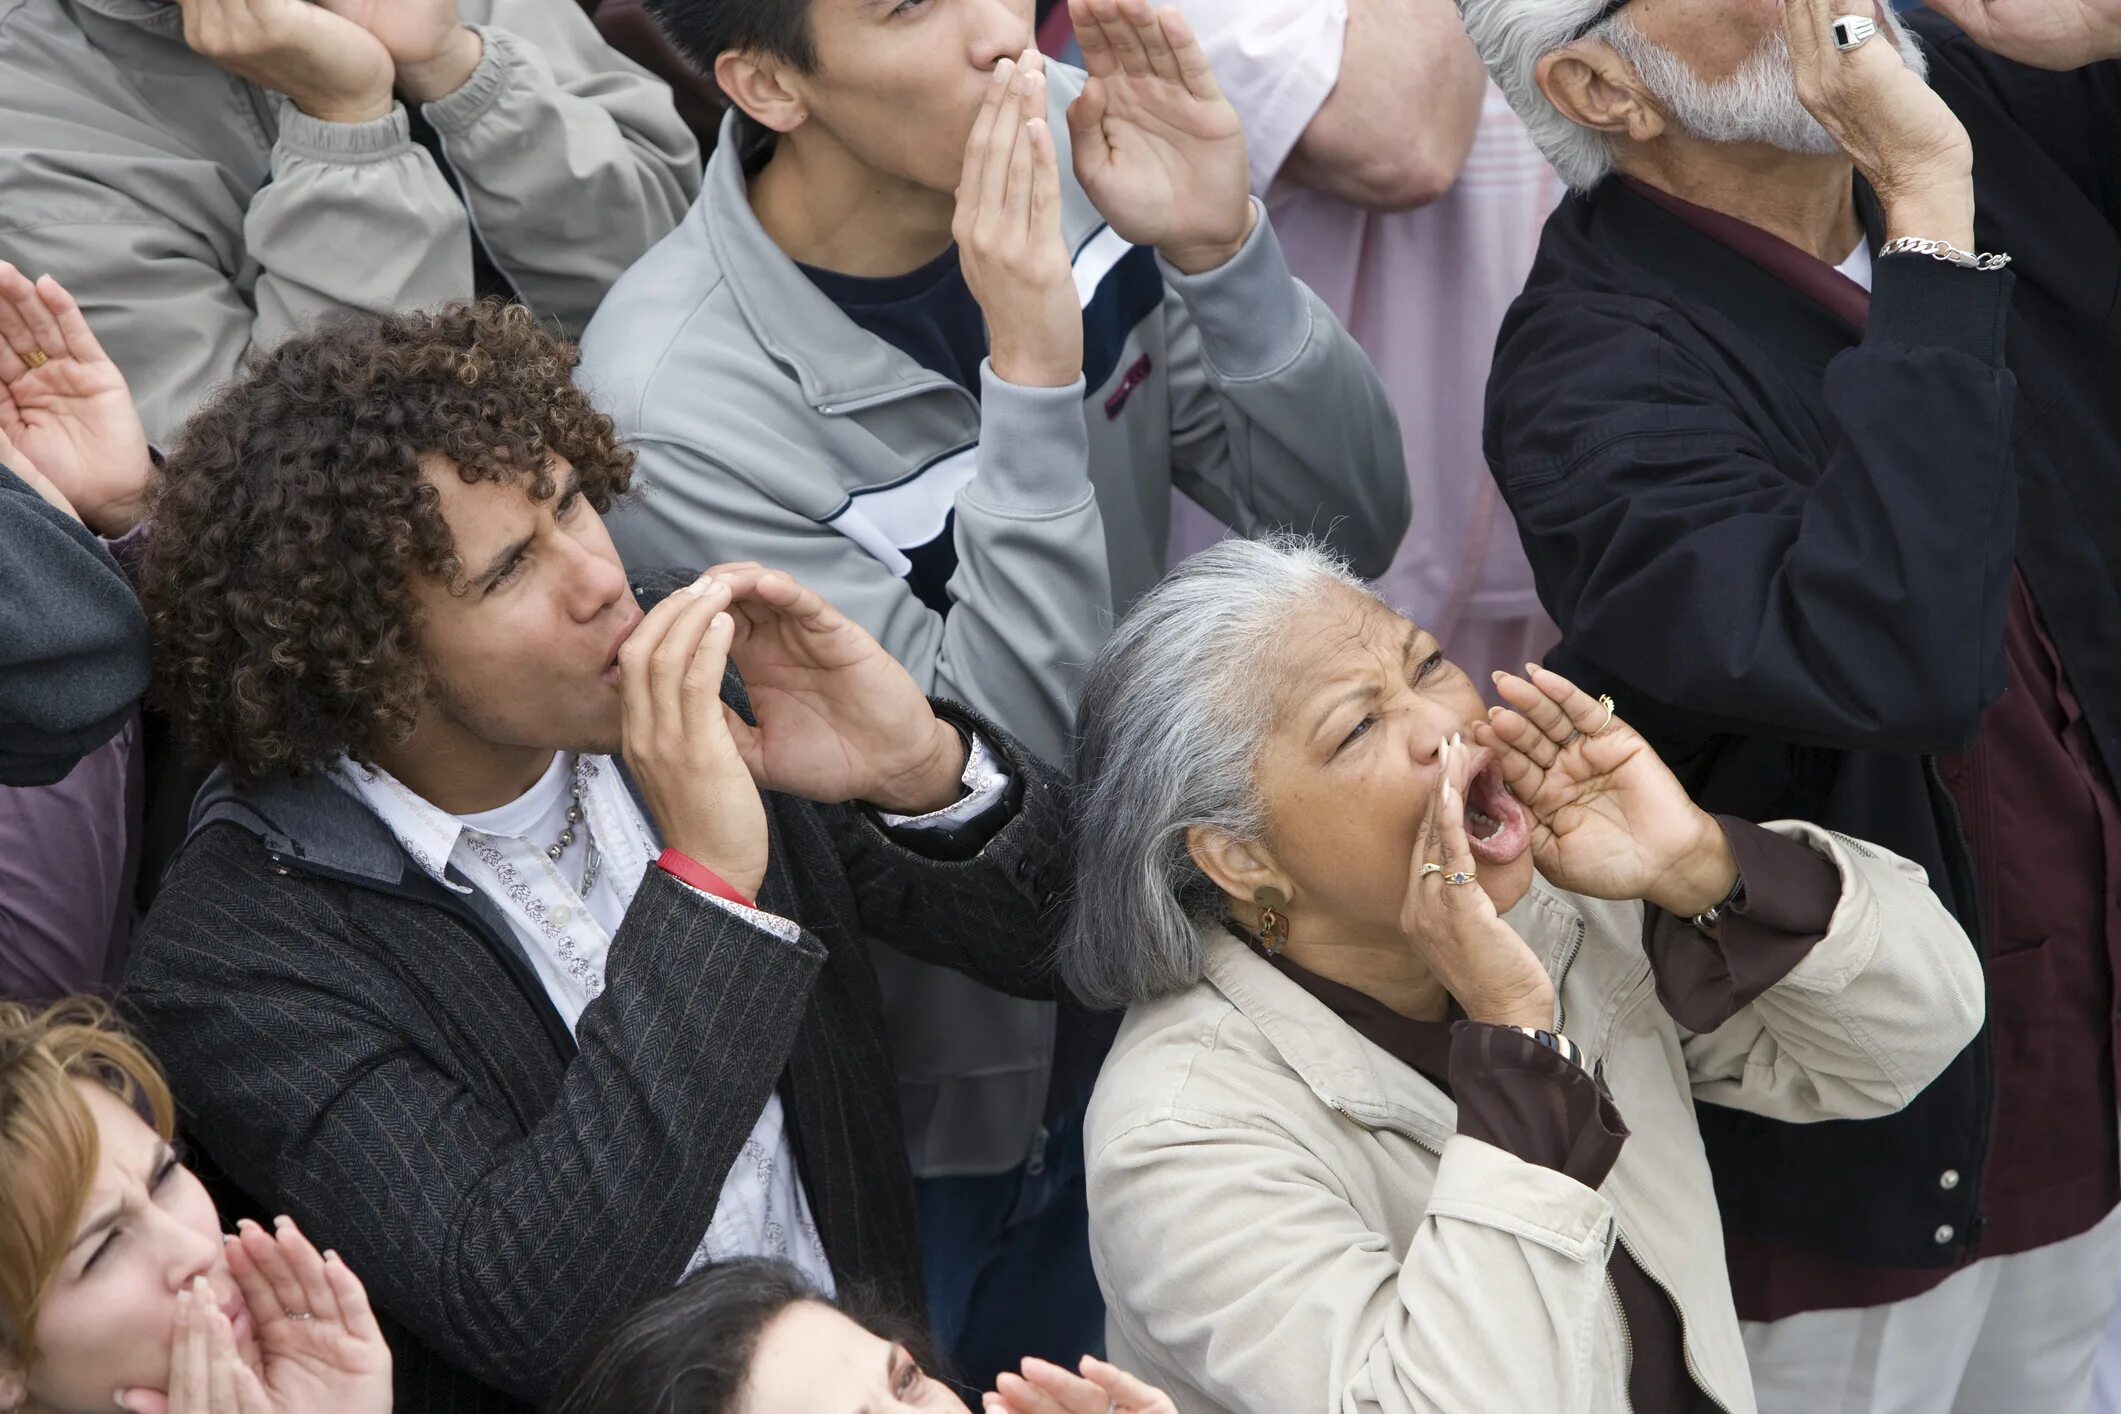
{"x":292,"y":517}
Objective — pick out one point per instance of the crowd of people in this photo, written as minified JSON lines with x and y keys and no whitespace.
{"x":721,"y":706}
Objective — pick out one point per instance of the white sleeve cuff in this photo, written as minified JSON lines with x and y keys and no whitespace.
{"x":986,"y":781}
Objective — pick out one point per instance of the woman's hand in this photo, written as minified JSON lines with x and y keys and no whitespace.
{"x":1609,"y":819}
{"x":1453,"y":928}
{"x":206,"y":1375}
{"x":1157,"y":145}
{"x":678,"y":735}
{"x":65,"y":409}
{"x":1008,"y":233}
{"x":838,"y":717}
{"x":1046,"y":1388}
{"x":334,"y":1361}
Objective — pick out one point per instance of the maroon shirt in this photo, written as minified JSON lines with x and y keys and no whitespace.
{"x":1525,"y":1099}
{"x":2042,"y":827}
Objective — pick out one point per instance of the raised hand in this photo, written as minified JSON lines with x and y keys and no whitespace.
{"x":677,"y":736}
{"x":1046,"y":1388}
{"x":321,"y":1346}
{"x":333,"y":69}
{"x":1453,"y":927}
{"x":1157,"y":146}
{"x":1008,"y":233}
{"x":838,"y":717}
{"x":1908,"y":144}
{"x":65,"y":409}
{"x":426,"y":39}
{"x":206,"y":1373}
{"x":2047,"y":34}
{"x":1609,"y":819}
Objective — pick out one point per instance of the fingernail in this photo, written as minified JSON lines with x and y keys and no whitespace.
{"x":1530,"y":668}
{"x":119,"y":1399}
{"x":330,"y":1255}
{"x":282,"y":1222}
{"x":1001,"y":70}
{"x":1497,"y":676}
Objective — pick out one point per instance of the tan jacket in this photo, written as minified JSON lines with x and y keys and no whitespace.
{"x":194,"y":214}
{"x":1284,"y":1221}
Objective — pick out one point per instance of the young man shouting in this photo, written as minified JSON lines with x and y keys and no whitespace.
{"x":944,"y":329}
{"x":509,"y":952}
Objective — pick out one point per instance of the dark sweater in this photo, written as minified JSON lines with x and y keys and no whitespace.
{"x":355,"y":1045}
{"x":1788,"y":550}
{"x":73,"y":640}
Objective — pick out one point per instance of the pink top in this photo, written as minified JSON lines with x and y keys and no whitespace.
{"x":1423,"y":291}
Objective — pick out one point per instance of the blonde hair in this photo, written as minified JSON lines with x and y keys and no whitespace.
{"x":48,"y":1146}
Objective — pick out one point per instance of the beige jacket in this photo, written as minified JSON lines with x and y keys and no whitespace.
{"x":1284,"y":1221}
{"x":194,"y":214}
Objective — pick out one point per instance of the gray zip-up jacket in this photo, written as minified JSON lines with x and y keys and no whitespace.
{"x":771,"y":427}
{"x":194,"y":214}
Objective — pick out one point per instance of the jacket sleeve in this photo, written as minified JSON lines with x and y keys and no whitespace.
{"x":1692,"y":550}
{"x":993,"y":917}
{"x":1501,"y":1292}
{"x":1875,"y":1011}
{"x":1279,"y":420}
{"x":571,"y":157}
{"x":1031,"y":599}
{"x":316,"y":1080}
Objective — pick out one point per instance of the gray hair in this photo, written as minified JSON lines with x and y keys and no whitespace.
{"x":1172,"y":718}
{"x":1512,"y":37}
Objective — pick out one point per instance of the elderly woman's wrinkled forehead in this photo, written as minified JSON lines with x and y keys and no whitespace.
{"x":1340,"y":634}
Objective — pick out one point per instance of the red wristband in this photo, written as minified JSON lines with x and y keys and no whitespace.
{"x":687,"y":870}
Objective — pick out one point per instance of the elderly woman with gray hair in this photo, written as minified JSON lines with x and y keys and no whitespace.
{"x":1422,"y":999}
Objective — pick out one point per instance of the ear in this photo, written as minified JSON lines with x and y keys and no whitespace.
{"x":1237,"y":868}
{"x":1594,"y":88}
{"x":763,"y":87}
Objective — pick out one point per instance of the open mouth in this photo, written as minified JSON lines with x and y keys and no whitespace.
{"x":1497,"y":827}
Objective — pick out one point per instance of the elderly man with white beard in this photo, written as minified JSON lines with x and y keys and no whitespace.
{"x":1825,"y":496}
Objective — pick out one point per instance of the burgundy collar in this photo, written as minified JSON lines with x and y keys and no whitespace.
{"x":1801,"y":271}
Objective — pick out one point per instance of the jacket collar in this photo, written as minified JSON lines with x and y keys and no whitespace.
{"x":1345,"y":1070}
{"x":836,"y":361}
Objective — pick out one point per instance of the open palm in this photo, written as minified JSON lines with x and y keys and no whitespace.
{"x":1158,"y":147}
{"x":1609,"y":819}
{"x":2047,"y":34}
{"x":65,"y":407}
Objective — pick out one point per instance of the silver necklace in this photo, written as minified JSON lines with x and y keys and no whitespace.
{"x":559,"y":848}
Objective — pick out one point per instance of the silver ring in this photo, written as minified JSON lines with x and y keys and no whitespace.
{"x":1461,"y":877}
{"x":298,"y":1315}
{"x":1850,"y":31}
{"x":1428,"y":869}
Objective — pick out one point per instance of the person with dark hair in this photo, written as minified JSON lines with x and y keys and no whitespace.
{"x":209,"y":175}
{"x":509,"y":950}
{"x":945,"y":328}
{"x":758,"y":1338}
{"x":74,"y":475}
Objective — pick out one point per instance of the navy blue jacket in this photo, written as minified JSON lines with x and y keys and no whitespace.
{"x":1787,"y":548}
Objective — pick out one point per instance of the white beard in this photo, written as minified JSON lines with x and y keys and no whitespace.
{"x":1758,"y":103}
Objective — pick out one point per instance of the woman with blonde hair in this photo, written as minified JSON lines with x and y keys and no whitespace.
{"x":1422,"y":1001}
{"x":117,"y":1286}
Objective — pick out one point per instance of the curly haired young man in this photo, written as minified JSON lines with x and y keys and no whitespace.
{"x":511,"y":949}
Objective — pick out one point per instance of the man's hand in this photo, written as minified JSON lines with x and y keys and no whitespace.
{"x":333,"y":69}
{"x":678,"y":736}
{"x":65,"y":409}
{"x":433,"y":51}
{"x":2047,"y":34}
{"x":1908,"y":144}
{"x":1609,"y":819}
{"x":838,"y":717}
{"x":1157,"y":146}
{"x":1008,"y":233}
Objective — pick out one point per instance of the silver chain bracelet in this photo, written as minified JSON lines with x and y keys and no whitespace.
{"x":1943,"y":250}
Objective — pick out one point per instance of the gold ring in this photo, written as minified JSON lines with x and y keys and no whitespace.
{"x":36,"y":358}
{"x":1607,"y":703}
{"x":1428,"y":869}
{"x":1461,"y":877}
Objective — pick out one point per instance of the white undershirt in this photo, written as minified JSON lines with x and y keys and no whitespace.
{"x":1858,"y":266}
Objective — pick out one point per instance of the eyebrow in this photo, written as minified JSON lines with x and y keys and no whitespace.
{"x":99,"y":1224}
{"x":1368,"y":689}
{"x":507,"y":554}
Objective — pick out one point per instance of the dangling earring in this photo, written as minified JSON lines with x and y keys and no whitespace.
{"x":1273,"y":924}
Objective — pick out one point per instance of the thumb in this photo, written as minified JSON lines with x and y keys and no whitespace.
{"x":1086,"y":127}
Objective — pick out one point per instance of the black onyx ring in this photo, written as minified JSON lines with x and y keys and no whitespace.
{"x":1850,"y":31}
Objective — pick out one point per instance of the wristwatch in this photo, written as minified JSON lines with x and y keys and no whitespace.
{"x":1554,"y":1041}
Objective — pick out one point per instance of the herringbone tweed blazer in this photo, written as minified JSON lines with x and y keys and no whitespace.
{"x":361,"y":1052}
